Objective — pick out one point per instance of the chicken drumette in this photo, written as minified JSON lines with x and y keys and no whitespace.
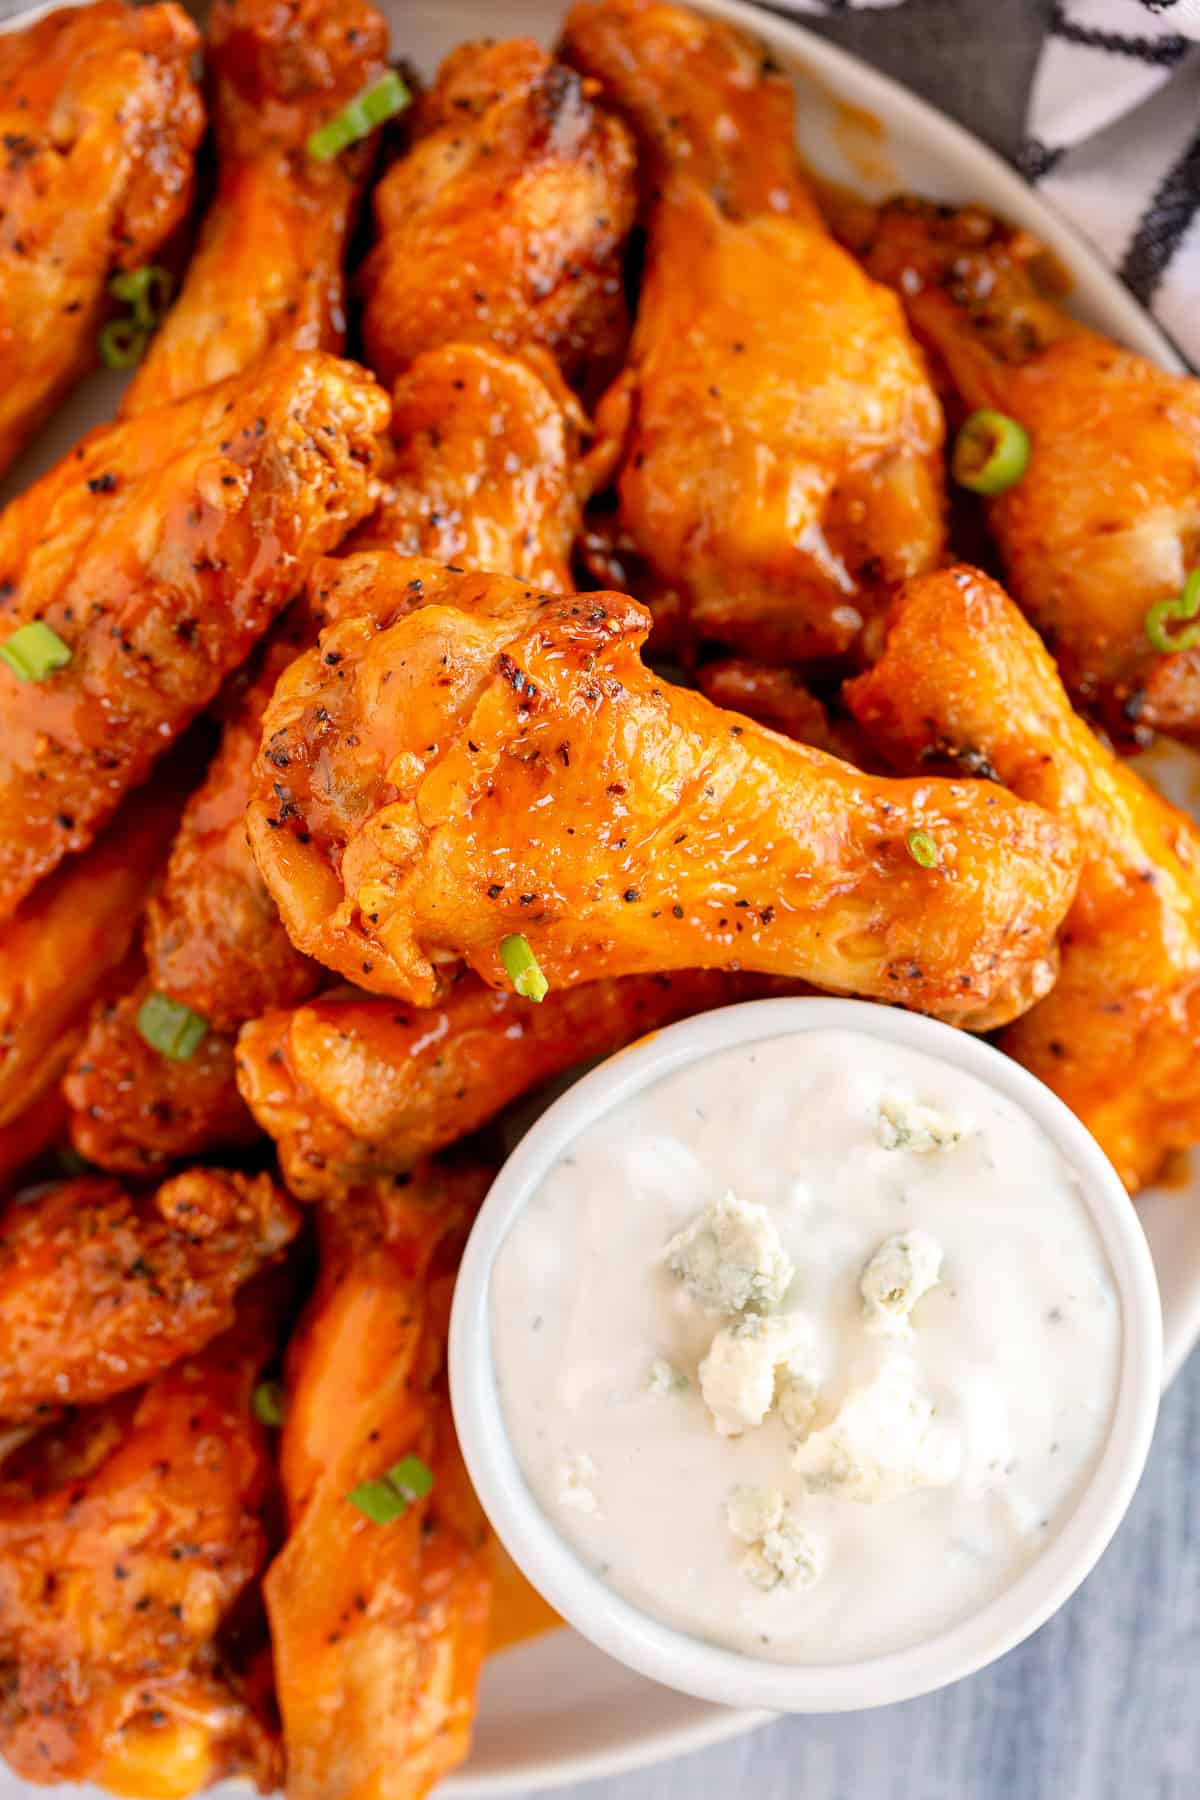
{"x":964,"y":683}
{"x":464,"y":758}
{"x":778,"y":439}
{"x":505,"y":222}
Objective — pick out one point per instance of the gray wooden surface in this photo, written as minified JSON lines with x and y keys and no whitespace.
{"x":1104,"y":1703}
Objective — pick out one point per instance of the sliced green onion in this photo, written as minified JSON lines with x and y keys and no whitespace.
{"x":147,"y":290}
{"x":521,"y":966}
{"x":922,"y":849}
{"x":267,"y":1402}
{"x":33,"y":651}
{"x":122,"y":344}
{"x":358,"y":119}
{"x":991,"y":453}
{"x":1180,"y":606}
{"x":171,"y":1028}
{"x":70,"y":1162}
{"x":391,"y":1496}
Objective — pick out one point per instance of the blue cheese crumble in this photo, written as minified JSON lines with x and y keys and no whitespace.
{"x":882,"y":1443}
{"x":780,"y":1553}
{"x":730,"y":1258}
{"x":903,"y":1268}
{"x":906,"y":1125}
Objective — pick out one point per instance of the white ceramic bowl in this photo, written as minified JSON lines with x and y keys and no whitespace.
{"x":685,"y":1662}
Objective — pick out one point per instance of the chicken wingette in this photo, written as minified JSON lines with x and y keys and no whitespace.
{"x":964,"y":682}
{"x":778,"y":441}
{"x":352,"y":1086}
{"x":379,"y":1626}
{"x":130,"y":1537}
{"x":1104,"y":525}
{"x":464,"y":758}
{"x":100,"y":119}
{"x":506,"y":221}
{"x":156,"y":554}
{"x":268,"y":268}
{"x":101,"y":1290}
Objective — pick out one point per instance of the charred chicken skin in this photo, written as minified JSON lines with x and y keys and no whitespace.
{"x":99,"y":1291}
{"x":353,"y":1086}
{"x":505,"y":223}
{"x":467,"y":758}
{"x":100,"y":120}
{"x":1105,"y":523}
{"x":487,"y":469}
{"x":964,"y":682}
{"x":158,"y":552}
{"x":379,"y":1630}
{"x":778,"y":440}
{"x":129,"y":1536}
{"x":268,"y":268}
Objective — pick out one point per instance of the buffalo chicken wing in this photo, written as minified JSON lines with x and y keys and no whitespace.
{"x":100,"y":1291}
{"x":100,"y":120}
{"x":466,"y":758}
{"x":505,"y":222}
{"x":778,"y":440}
{"x":379,"y":1629}
{"x":130,"y":1536}
{"x":353,"y":1086}
{"x":269,"y":266}
{"x":1105,"y":522}
{"x":963,"y":682}
{"x":158,"y":552}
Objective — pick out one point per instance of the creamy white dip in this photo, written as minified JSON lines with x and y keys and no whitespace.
{"x":808,"y":1348}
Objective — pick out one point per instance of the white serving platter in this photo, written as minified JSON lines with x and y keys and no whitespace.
{"x":556,"y":1710}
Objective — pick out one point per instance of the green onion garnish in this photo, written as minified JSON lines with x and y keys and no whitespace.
{"x":991,"y":453}
{"x":391,"y":1496}
{"x":521,"y":966}
{"x":922,"y":849}
{"x":121,"y":344}
{"x":267,"y":1402}
{"x":70,"y":1162}
{"x":358,"y":119}
{"x":171,"y":1028}
{"x":1180,"y":606}
{"x":147,"y":290}
{"x":33,"y":651}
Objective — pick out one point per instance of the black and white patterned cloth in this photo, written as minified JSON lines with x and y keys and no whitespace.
{"x":1113,"y":139}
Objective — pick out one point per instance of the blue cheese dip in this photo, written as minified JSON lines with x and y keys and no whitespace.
{"x":808,"y":1348}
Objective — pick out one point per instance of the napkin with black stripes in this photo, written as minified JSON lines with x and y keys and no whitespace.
{"x":1113,"y":139}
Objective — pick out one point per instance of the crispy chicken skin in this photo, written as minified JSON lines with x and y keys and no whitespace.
{"x":487,"y":469}
{"x":1106,"y":521}
{"x":101,"y":1291}
{"x":963,"y":681}
{"x":353,"y":1086}
{"x":467,"y":758}
{"x":269,"y":265}
{"x":778,"y":440}
{"x":505,"y":223}
{"x":129,"y":1535}
{"x":100,"y":121}
{"x":378,"y":1630}
{"x":134,"y":1111}
{"x":69,"y":942}
{"x":159,"y":551}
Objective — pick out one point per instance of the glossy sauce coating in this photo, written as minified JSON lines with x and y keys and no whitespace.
{"x":100,"y":1291}
{"x":777,"y":438}
{"x":473,"y":758}
{"x":1106,"y":520}
{"x":159,"y":551}
{"x":505,"y":222}
{"x":379,"y":1631}
{"x":963,"y":681}
{"x":100,"y":119}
